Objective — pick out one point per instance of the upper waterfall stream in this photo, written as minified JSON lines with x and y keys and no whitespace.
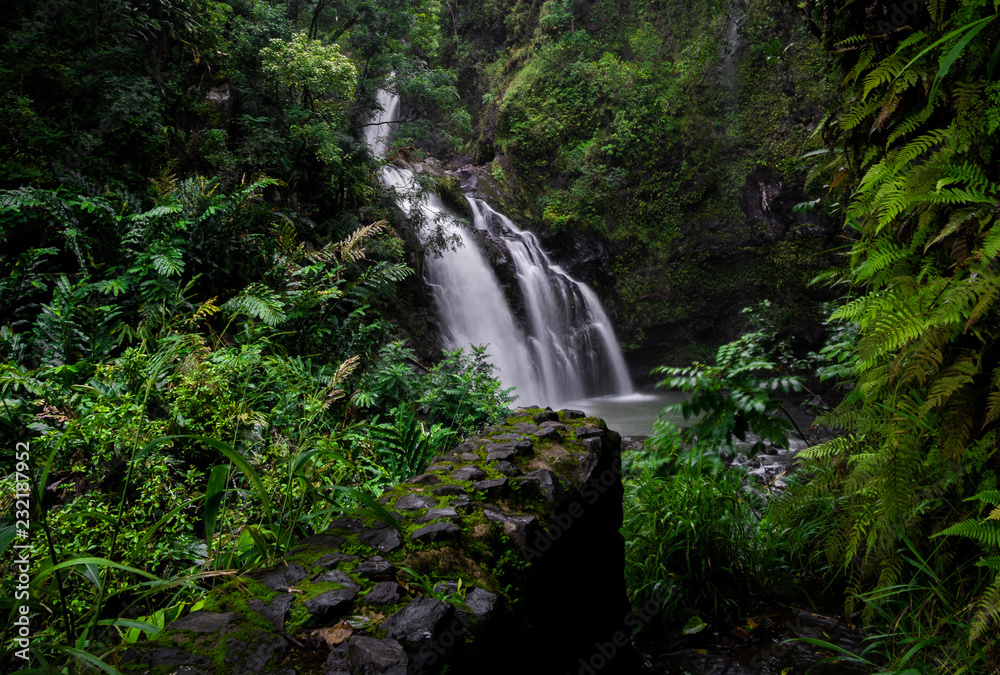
{"x":562,"y":349}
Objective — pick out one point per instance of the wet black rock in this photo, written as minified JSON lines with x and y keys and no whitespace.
{"x":203,"y":622}
{"x":512,"y":439}
{"x":546,"y":416}
{"x":420,"y":620}
{"x":349,"y":524}
{"x":439,"y":531}
{"x":468,"y":446}
{"x":384,"y":593}
{"x":585,"y":468}
{"x":329,"y":603}
{"x":424,"y":479}
{"x":281,"y":578}
{"x":378,"y":524}
{"x":507,"y":469}
{"x":171,"y":656}
{"x":331,"y":559}
{"x":544,"y":484}
{"x":548,"y":433}
{"x":319,"y":541}
{"x":276,"y":612}
{"x":414,"y":502}
{"x":517,"y":527}
{"x":386,"y":540}
{"x":444,"y":513}
{"x":338,"y":577}
{"x":589,"y":432}
{"x":336,"y":663}
{"x":449,"y":490}
{"x":573,"y":414}
{"x":481,"y":602}
{"x":251,"y":656}
{"x":469,"y":473}
{"x":376,"y":569}
{"x":501,"y":452}
{"x":370,"y":656}
{"x":493,"y":487}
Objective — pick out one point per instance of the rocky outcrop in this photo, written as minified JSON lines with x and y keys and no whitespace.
{"x":503,"y":553}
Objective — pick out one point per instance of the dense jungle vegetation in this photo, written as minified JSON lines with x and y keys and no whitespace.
{"x":207,"y":326}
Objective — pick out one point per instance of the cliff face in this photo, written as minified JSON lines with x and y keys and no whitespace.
{"x":655,"y":150}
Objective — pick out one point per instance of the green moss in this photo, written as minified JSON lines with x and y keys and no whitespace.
{"x":298,"y":618}
{"x":450,"y":190}
{"x":310,"y":591}
{"x":233,"y":595}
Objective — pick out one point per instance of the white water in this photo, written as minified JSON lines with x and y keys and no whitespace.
{"x":377,"y":131}
{"x":566,"y":349}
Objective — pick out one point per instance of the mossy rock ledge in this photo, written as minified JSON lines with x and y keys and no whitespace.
{"x":526,"y":517}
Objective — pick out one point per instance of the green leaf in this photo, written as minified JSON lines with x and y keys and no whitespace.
{"x":974,"y":25}
{"x":214,"y":493}
{"x":7,"y":535}
{"x":130,"y":623}
{"x":694,"y":625}
{"x":88,"y":659}
{"x":375,"y":510}
{"x":953,"y":55}
{"x":42,"y":574}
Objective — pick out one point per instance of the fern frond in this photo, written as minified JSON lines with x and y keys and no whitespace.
{"x":864,"y":59}
{"x":859,"y":112}
{"x":886,"y":71}
{"x":920,"y":145}
{"x":258,"y":301}
{"x":987,"y":611}
{"x":908,"y":125}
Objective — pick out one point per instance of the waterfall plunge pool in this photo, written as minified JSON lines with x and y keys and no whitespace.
{"x":632,"y":415}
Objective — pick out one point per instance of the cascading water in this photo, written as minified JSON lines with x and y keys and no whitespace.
{"x":378,"y":129}
{"x":565,"y":349}
{"x":573,"y":348}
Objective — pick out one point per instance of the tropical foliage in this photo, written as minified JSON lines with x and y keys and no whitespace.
{"x":911,"y":166}
{"x":199,"y":287}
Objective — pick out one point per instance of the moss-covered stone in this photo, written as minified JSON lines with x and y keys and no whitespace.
{"x":479,"y":550}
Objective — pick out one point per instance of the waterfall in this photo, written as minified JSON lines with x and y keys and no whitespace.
{"x":563,"y":349}
{"x":381,"y":125}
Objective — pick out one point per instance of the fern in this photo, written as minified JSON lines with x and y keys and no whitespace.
{"x":259,"y":302}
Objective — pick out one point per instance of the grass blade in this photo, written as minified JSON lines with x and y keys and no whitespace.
{"x":87,"y":659}
{"x":374,"y":509}
{"x":213,"y":501}
{"x":90,"y":561}
{"x":954,"y":54}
